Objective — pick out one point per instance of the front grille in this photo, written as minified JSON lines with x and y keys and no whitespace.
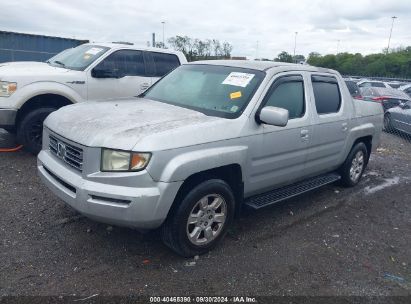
{"x":71,"y":155}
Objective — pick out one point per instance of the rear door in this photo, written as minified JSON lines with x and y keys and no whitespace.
{"x":331,"y":124}
{"x":129,"y":76}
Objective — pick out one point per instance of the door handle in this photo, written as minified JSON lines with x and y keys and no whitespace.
{"x":304,"y":134}
{"x":344,"y":126}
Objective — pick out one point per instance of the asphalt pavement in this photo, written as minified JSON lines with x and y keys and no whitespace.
{"x":330,"y":242}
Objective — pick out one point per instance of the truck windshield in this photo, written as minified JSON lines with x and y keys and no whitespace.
{"x":211,"y":89}
{"x":78,"y":58}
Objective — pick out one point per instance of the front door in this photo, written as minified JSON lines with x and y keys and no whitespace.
{"x":283,"y":151}
{"x":126,"y":76}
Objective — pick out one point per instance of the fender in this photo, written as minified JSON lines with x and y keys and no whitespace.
{"x":363,"y":130}
{"x":186,"y":164}
{"x":44,"y":87}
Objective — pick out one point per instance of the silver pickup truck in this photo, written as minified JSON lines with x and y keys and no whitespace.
{"x":204,"y":141}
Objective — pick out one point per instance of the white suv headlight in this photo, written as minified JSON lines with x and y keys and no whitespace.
{"x":7,"y":88}
{"x":123,"y":161}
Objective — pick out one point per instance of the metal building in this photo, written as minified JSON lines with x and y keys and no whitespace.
{"x":29,"y":47}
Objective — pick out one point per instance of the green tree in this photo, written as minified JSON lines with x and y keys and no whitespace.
{"x":196,"y":49}
{"x":397,"y":63}
{"x":284,"y":57}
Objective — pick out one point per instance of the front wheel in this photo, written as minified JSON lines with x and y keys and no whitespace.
{"x":30,"y":129}
{"x":354,"y":165}
{"x":201,"y":220}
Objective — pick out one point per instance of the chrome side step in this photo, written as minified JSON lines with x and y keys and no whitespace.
{"x":278,"y":195}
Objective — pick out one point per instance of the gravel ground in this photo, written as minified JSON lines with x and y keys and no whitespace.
{"x":333,"y":241}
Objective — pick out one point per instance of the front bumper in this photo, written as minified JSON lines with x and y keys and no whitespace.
{"x":7,"y":117}
{"x":138,"y":207}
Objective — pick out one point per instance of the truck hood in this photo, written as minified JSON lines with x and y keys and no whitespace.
{"x":11,"y":71}
{"x":121,"y":124}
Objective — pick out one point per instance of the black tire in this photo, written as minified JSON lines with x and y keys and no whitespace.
{"x":348,"y":179}
{"x":175,"y":230}
{"x":388,"y":123}
{"x":30,"y":129}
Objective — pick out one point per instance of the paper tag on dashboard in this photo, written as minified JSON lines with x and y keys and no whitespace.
{"x":238,"y":79}
{"x":93,"y":51}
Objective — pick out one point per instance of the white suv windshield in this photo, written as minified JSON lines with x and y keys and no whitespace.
{"x":78,"y":58}
{"x":211,"y":89}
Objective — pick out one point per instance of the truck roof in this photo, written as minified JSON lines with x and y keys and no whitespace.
{"x":265,"y":65}
{"x":131,"y":46}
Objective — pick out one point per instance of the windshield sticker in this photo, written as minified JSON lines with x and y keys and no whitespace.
{"x":87,"y":57}
{"x":93,"y":51}
{"x":238,"y":79}
{"x":235,"y":95}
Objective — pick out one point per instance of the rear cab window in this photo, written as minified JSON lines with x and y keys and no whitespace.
{"x":163,"y":63}
{"x":327,"y":94}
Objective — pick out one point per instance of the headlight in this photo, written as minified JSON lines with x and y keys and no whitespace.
{"x":116,"y":160}
{"x":7,"y":88}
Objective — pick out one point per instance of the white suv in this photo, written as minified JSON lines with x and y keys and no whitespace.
{"x":30,"y":91}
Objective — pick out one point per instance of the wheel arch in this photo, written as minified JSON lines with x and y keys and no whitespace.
{"x":367,"y":141}
{"x":231,"y":174}
{"x":42,"y":100}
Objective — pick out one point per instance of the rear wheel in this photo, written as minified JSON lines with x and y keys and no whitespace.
{"x":30,"y":129}
{"x":201,"y":220}
{"x":354,"y":165}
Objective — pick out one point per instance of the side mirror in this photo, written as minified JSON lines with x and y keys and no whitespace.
{"x":101,"y":72}
{"x":274,"y":116}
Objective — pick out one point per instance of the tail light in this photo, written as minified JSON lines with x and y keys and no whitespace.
{"x":358,"y":97}
{"x":379,"y":99}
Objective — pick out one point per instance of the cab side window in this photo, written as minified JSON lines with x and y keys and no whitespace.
{"x":288,"y":93}
{"x":164,"y":63}
{"x":124,"y":63}
{"x":327,"y":94}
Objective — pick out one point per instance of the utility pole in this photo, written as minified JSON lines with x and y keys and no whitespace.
{"x":392,"y":26}
{"x":295,"y":44}
{"x":164,"y":45}
{"x":338,"y":46}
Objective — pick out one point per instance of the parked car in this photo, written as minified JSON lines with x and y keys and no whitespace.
{"x":406,"y":89}
{"x":204,"y":141}
{"x":372,"y":84}
{"x":399,"y":118}
{"x":354,"y":89}
{"x":388,"y":98}
{"x":395,"y":84}
{"x":29,"y":91}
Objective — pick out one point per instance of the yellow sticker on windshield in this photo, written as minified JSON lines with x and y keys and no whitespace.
{"x":235,"y":95}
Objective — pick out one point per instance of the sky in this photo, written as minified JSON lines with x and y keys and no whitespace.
{"x":257,"y":28}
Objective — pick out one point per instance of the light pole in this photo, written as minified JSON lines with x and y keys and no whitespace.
{"x":392,"y":26}
{"x":256,"y":51}
{"x":295,"y":44}
{"x":164,"y":23}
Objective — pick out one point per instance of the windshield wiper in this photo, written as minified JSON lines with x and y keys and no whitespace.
{"x":60,"y":63}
